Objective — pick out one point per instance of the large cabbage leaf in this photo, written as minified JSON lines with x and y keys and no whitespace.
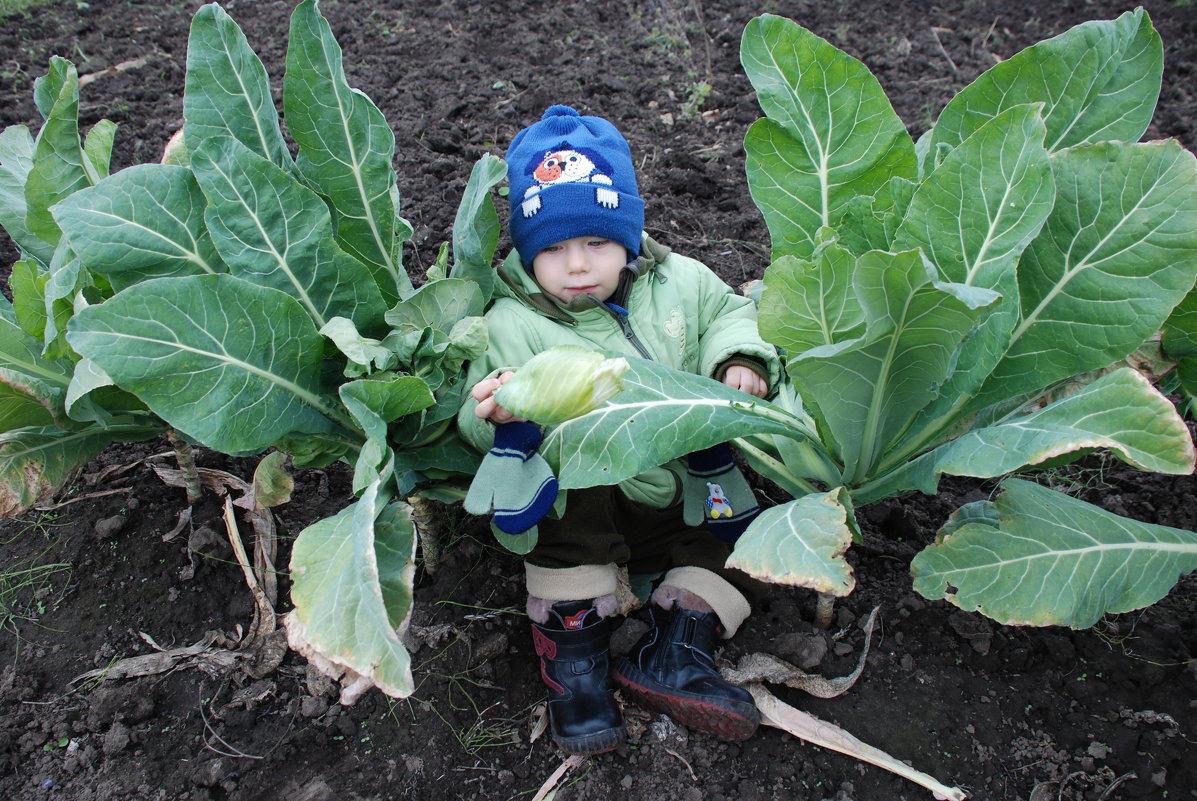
{"x":232,"y":364}
{"x":1034,"y":556}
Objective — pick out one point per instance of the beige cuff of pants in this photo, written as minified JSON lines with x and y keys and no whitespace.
{"x":570,"y":583}
{"x":731,"y":606}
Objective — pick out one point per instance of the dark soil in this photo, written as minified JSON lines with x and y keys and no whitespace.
{"x":1007,"y":713}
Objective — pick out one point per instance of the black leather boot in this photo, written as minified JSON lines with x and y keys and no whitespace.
{"x":574,"y":663}
{"x":672,"y":670}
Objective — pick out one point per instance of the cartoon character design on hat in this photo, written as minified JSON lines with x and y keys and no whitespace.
{"x":567,"y":164}
{"x":572,"y":175}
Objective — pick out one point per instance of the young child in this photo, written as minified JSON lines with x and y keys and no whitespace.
{"x":583,"y":272}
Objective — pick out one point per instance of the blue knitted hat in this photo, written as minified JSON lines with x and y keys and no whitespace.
{"x":572,"y":176}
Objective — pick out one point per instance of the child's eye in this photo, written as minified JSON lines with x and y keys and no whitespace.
{"x":598,"y":243}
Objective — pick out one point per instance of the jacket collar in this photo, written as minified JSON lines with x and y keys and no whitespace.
{"x":518,"y":283}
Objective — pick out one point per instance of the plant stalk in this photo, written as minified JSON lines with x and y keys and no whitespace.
{"x":824,"y":609}
{"x":427,"y":532}
{"x":774,"y":469}
{"x":185,"y":457}
{"x":927,"y":434}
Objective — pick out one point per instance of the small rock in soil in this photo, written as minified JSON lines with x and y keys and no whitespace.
{"x":973,"y":628}
{"x":669,"y":733}
{"x":312,"y":706}
{"x":493,"y":645}
{"x":117,"y":739}
{"x":748,"y":791}
{"x":205,"y":540}
{"x":109,"y":527}
{"x":315,"y":790}
{"x":209,"y":774}
{"x":804,"y":650}
{"x":316,"y":682}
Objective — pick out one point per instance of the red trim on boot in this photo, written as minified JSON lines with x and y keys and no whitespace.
{"x":546,"y":649}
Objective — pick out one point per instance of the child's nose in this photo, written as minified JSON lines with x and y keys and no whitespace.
{"x":576,"y":259}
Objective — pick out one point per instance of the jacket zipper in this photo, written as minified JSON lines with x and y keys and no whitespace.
{"x":616,"y":308}
{"x":629,"y":334}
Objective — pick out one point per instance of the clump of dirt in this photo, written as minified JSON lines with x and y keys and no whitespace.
{"x":1007,"y":713}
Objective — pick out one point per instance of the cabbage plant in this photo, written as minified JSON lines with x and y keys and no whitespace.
{"x":248,"y":299}
{"x":56,"y":411}
{"x":561,"y":383}
{"x":948,"y":306}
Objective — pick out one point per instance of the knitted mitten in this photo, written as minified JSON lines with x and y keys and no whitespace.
{"x":513,"y":481}
{"x":715,"y":490}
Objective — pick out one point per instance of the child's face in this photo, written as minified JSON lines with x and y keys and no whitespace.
{"x":584,"y":264}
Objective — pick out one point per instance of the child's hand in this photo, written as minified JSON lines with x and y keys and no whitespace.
{"x":746,"y":380}
{"x":488,"y":408}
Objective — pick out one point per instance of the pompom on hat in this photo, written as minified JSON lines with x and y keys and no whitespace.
{"x":572,"y":176}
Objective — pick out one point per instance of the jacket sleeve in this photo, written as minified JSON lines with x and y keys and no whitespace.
{"x":511,"y":351}
{"x":727,"y":327}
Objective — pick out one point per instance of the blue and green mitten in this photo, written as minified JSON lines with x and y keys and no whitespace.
{"x":714,"y":490}
{"x":513,"y":481}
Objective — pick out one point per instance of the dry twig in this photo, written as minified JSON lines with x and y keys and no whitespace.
{"x":935,"y":33}
{"x":562,"y":769}
{"x":682,"y":759}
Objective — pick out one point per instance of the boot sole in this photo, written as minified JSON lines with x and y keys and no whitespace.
{"x":600,"y":742}
{"x":727,"y":720}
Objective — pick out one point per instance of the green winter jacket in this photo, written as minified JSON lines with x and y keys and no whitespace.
{"x":679,"y":313}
